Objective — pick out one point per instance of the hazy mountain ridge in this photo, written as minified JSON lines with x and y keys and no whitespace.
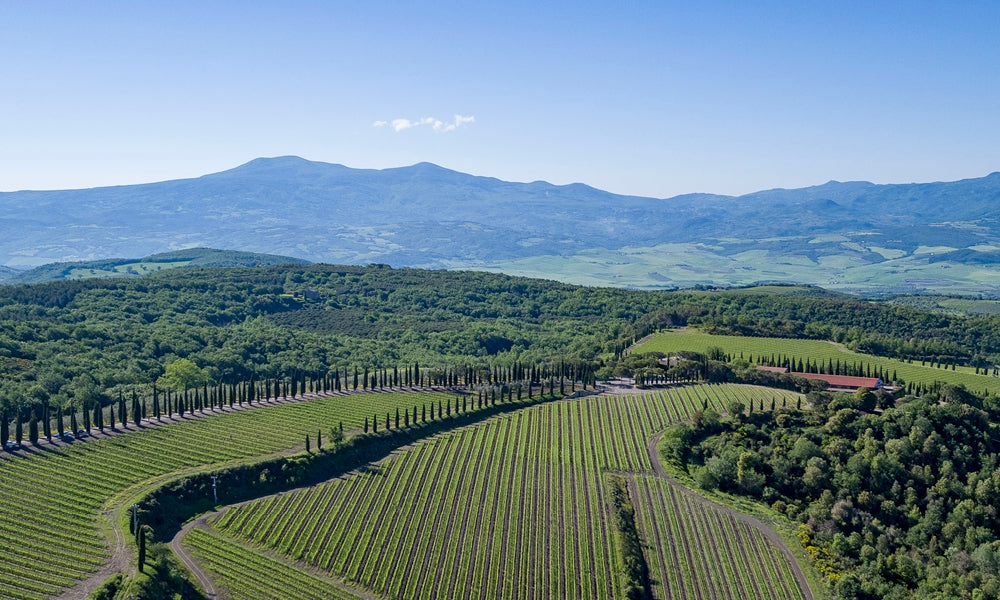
{"x":132,"y":267}
{"x":428,"y":216}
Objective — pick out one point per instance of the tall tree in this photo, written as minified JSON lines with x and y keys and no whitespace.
{"x":4,"y":424}
{"x":142,"y":549}
{"x":182,"y":375}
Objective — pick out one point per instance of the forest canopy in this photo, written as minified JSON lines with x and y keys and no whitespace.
{"x":71,"y":339}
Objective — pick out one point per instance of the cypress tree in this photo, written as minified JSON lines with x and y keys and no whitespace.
{"x":46,"y":420}
{"x":72,"y":420}
{"x":366,"y":424}
{"x":307,"y":442}
{"x":319,"y":439}
{"x":33,"y":425}
{"x":375,"y":424}
{"x":142,"y":549}
{"x":387,"y":421}
{"x":4,"y":426}
{"x":423,"y":413}
{"x":397,"y":417}
{"x":18,"y":428}
{"x":111,"y":417}
{"x":98,"y":416}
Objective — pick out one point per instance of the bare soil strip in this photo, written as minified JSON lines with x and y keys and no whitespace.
{"x":192,"y":565}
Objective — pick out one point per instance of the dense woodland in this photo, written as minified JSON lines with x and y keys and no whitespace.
{"x":900,"y":502}
{"x":67,"y":344}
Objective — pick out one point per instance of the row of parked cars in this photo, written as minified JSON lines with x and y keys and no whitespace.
{"x":66,"y":436}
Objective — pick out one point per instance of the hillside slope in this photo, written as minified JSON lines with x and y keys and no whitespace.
{"x":428,"y":216}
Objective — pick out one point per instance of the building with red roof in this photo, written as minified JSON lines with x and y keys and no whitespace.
{"x":843,"y":382}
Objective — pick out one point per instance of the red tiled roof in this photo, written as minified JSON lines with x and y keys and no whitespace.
{"x":843,"y":380}
{"x":772,"y":369}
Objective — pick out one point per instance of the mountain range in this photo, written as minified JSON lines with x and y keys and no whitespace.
{"x":855,"y":236}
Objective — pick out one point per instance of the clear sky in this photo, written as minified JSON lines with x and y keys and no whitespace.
{"x":652,"y":98}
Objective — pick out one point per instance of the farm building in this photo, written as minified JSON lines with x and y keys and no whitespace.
{"x":834,"y":382}
{"x":843,"y":382}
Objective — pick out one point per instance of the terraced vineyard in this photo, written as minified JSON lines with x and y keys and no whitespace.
{"x":816,"y":350}
{"x":50,"y":536}
{"x":514,"y":507}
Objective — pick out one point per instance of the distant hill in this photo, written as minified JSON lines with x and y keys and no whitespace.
{"x":855,"y":236}
{"x":133,"y":267}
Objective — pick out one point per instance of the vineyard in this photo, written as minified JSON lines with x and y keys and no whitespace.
{"x":51,"y":535}
{"x":698,"y":551}
{"x":249,"y":575}
{"x":817,"y":351}
{"x":514,"y":507}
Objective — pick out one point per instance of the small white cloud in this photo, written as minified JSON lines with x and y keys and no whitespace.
{"x":435,"y":124}
{"x":401,"y":124}
{"x":455,"y":124}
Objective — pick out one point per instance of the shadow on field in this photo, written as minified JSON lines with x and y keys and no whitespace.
{"x":168,"y":507}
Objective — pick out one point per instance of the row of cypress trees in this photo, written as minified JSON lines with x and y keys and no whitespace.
{"x":167,"y":403}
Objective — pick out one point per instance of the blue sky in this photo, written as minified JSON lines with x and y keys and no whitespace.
{"x":651,"y":98}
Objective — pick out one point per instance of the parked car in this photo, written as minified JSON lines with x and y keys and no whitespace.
{"x":11,"y":445}
{"x":66,"y":436}
{"x":81,"y":433}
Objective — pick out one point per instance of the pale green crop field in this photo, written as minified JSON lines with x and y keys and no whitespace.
{"x":815,"y":350}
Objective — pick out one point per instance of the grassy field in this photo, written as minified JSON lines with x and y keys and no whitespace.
{"x":49,"y":519}
{"x":816,"y":350}
{"x":515,"y":507}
